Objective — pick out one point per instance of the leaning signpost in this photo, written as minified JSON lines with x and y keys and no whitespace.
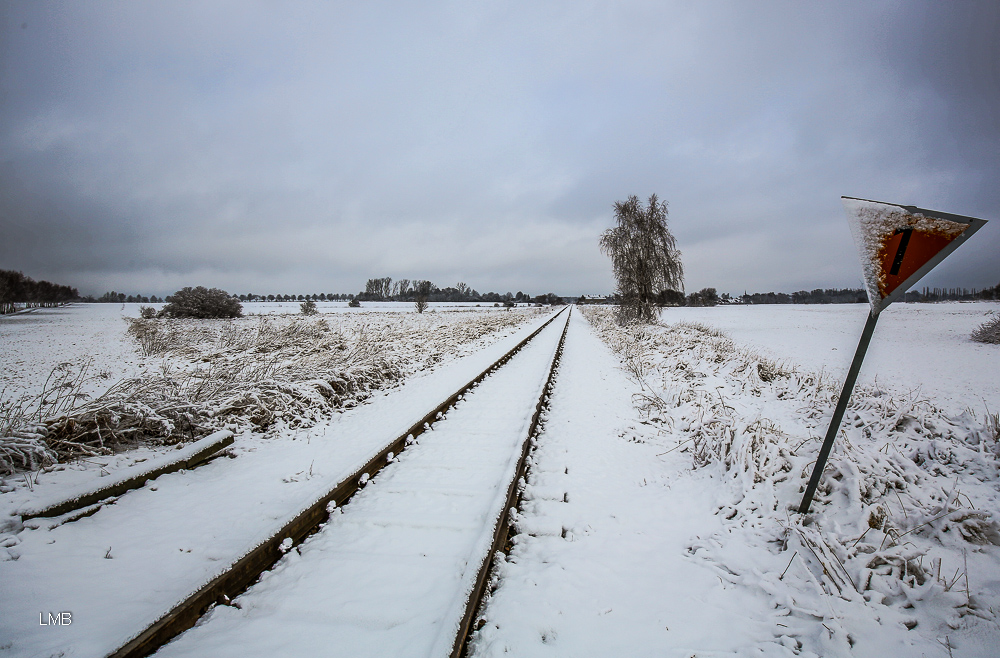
{"x":898,"y":245}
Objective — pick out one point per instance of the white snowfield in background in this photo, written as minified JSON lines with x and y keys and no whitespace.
{"x":916,"y":347}
{"x":94,"y":335}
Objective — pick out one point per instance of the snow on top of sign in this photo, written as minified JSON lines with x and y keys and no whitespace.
{"x":872,"y":224}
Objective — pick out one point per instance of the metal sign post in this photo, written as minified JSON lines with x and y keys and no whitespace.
{"x":898,"y":246}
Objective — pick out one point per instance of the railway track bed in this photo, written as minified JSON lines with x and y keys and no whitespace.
{"x":391,"y":573}
{"x":170,"y":538}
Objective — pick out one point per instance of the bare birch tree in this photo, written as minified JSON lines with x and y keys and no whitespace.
{"x":644,"y":256}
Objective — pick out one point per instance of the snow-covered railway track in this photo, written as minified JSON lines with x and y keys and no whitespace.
{"x":147,"y":566}
{"x":400,"y":570}
{"x":474,"y":456}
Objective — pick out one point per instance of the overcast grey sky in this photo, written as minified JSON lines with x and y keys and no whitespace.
{"x":304,"y":147}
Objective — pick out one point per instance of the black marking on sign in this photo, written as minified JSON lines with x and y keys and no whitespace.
{"x":898,"y":260}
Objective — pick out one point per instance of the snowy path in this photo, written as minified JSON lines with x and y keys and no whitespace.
{"x":391,"y":573}
{"x":600,"y":567}
{"x":120,"y":569}
{"x":621,"y":549}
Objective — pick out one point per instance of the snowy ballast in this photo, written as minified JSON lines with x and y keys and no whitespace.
{"x":898,"y":245}
{"x":133,"y":478}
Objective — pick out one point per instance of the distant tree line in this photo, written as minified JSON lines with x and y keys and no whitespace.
{"x":376,"y":290}
{"x":406,"y":290}
{"x":952,"y":294}
{"x":121,"y":298}
{"x":19,"y":291}
{"x":113,"y":297}
{"x":859,"y":296}
{"x":321,"y":297}
{"x":817,"y":296}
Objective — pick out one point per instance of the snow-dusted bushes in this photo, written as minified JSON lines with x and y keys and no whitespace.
{"x":308,"y":307}
{"x":202,"y":302}
{"x":153,"y":336}
{"x":988,"y":332}
{"x":902,"y":512}
{"x":259,"y":373}
{"x":23,"y":434}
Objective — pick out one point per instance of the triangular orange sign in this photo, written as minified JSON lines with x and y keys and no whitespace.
{"x":898,"y":245}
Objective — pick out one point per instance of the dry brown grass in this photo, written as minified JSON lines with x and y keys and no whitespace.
{"x":258,"y":373}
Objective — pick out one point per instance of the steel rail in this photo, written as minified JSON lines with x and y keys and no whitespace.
{"x":501,"y":531}
{"x":245,"y":571}
{"x":211,"y":447}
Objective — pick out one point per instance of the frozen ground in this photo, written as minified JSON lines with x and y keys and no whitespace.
{"x":86,"y":380}
{"x":130,"y":562}
{"x":656,"y":519}
{"x":695,"y":472}
{"x":36,"y":342}
{"x":390,"y":573}
{"x":925,"y":347}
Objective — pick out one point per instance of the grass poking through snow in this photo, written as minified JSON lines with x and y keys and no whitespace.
{"x":904,"y":514}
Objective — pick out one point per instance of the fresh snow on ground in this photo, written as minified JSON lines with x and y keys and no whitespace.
{"x":265,"y":372}
{"x":656,"y":519}
{"x":390,"y":573}
{"x":190,"y":525}
{"x":634,"y":539}
{"x":94,"y":335}
{"x":600,"y":564}
{"x":920,"y":347}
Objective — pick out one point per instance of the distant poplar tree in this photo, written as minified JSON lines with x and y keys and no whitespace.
{"x":644,"y":256}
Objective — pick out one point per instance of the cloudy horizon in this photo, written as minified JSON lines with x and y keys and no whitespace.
{"x":303,"y":148}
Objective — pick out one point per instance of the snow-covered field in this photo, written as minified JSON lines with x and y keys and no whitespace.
{"x":921,"y":347}
{"x":120,"y":381}
{"x":657,"y":514}
{"x":38,"y":341}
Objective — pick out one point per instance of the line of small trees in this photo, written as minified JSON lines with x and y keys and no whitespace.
{"x":817,"y":296}
{"x":859,"y":296}
{"x":407,"y":290}
{"x":704,"y":297}
{"x":952,"y":294}
{"x":112,"y":297}
{"x":20,"y":291}
{"x":376,"y":290}
{"x":321,"y":297}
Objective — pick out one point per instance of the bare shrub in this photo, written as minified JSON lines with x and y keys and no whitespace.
{"x":153,"y":336}
{"x":308,"y":307}
{"x":422,"y":291}
{"x":147,"y":312}
{"x":988,"y":332}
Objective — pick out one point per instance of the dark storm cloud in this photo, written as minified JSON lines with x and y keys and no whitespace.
{"x":271,"y":148}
